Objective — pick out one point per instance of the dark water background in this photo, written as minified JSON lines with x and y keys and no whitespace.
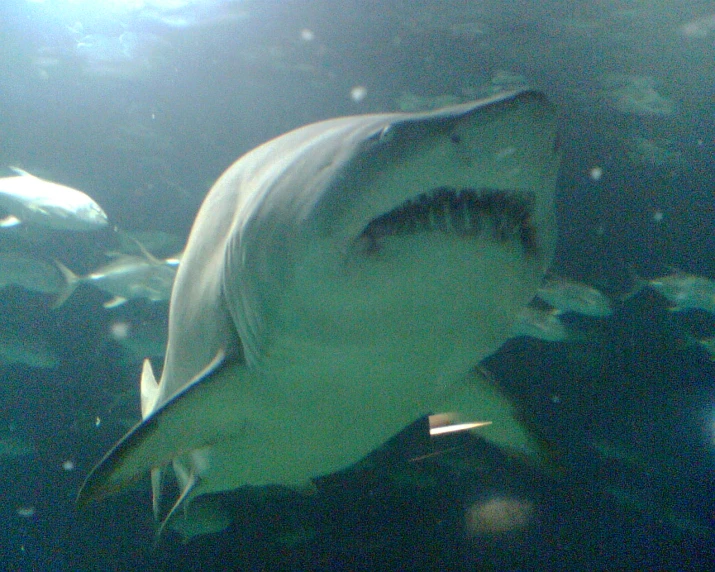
{"x":146,"y":128}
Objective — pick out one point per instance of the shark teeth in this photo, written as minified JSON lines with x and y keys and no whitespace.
{"x":502,"y":216}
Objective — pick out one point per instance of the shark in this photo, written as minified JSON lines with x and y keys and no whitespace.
{"x":339,"y":282}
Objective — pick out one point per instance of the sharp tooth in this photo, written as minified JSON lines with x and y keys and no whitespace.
{"x":466,"y":218}
{"x":432,"y":219}
{"x":447,"y":224}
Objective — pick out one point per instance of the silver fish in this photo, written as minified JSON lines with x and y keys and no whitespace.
{"x":686,"y":291}
{"x":339,"y":282}
{"x":18,"y":269}
{"x":29,"y":199}
{"x":128,"y":277}
{"x":541,"y":324}
{"x":570,"y":296}
{"x":131,"y":277}
{"x":13,"y":446}
{"x":26,"y":350}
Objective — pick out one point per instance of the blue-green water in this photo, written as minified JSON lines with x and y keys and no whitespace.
{"x":143,"y":104}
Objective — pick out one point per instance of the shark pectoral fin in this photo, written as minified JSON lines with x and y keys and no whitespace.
{"x":480,"y":398}
{"x":209,"y":410}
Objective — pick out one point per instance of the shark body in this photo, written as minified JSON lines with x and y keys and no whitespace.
{"x":339,"y":282}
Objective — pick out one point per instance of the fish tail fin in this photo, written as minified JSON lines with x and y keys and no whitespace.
{"x":639,"y":283}
{"x":71,"y":283}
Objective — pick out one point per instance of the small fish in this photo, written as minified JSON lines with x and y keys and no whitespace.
{"x":128,"y":277}
{"x":13,"y":446}
{"x":131,"y":277}
{"x":542,"y":324}
{"x":24,"y":349}
{"x":18,"y":269}
{"x":29,"y":199}
{"x":686,"y":291}
{"x":636,"y":95}
{"x":571,"y":296}
{"x":707,"y":344}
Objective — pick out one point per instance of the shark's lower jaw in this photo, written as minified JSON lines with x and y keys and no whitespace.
{"x":498,"y":215}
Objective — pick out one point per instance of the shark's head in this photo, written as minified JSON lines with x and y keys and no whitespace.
{"x":422,"y":225}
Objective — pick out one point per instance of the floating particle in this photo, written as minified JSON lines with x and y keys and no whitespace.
{"x":596,"y":173}
{"x":307,"y":35}
{"x":358,"y":93}
{"x":26,"y":511}
{"x":498,"y":515}
{"x":120,"y":330}
{"x":658,"y":216}
{"x":68,"y":465}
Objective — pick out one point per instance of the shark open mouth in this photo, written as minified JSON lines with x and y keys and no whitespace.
{"x":502,"y":216}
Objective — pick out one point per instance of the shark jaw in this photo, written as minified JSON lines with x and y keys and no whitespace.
{"x":341,"y":281}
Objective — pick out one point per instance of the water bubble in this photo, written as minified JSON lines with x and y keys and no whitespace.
{"x":358,"y":93}
{"x":120,"y":330}
{"x":26,"y":511}
{"x":498,"y":515}
{"x":596,"y":173}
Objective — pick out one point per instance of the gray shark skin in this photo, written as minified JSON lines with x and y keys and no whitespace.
{"x":341,"y":281}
